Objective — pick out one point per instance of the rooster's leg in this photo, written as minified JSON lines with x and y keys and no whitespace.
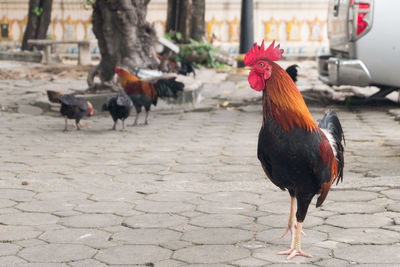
{"x":297,"y":244}
{"x":147,"y":116}
{"x":77,"y":125}
{"x":295,"y":248}
{"x":123,"y":125}
{"x":66,"y":124}
{"x":115,"y":126}
{"x":291,"y":224}
{"x":136,"y":119}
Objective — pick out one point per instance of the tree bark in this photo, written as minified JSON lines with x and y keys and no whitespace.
{"x":124,"y":37}
{"x":184,"y":18}
{"x":38,"y":21}
{"x":198,"y":29}
{"x":187,"y":18}
{"x":171,"y":15}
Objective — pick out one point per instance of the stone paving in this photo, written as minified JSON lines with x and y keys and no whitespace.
{"x":187,"y":190}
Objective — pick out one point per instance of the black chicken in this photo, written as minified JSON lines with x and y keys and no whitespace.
{"x":120,"y":107}
{"x":71,"y":107}
{"x":74,"y":108}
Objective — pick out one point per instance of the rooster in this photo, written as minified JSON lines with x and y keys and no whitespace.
{"x":119,"y":106}
{"x":168,"y":65}
{"x":295,"y":153}
{"x":71,"y":107}
{"x":146,"y":92}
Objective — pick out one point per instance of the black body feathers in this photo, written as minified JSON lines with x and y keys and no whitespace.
{"x":73,"y":107}
{"x":187,"y":68}
{"x":119,"y":106}
{"x":292,"y":71}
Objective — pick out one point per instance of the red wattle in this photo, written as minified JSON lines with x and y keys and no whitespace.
{"x":256,"y":81}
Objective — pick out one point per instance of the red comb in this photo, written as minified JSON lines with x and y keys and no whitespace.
{"x":272,"y":53}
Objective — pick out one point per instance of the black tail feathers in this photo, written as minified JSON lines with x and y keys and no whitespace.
{"x":168,"y":87}
{"x":331,"y":123}
{"x":292,"y":71}
{"x":187,"y":68}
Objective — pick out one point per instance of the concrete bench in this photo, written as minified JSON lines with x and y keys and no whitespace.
{"x":84,"y":57}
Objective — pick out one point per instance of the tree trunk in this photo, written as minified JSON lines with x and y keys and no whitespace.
{"x":187,"y":18}
{"x":124,"y":37}
{"x":171,"y":15}
{"x":38,"y":21}
{"x":198,"y":30}
{"x":184,"y":18}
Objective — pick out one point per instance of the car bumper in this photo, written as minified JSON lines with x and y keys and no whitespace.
{"x":339,"y":71}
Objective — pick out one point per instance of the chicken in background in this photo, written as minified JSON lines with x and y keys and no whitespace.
{"x":295,"y":153}
{"x":168,"y":65}
{"x":120,"y":107}
{"x":146,"y":92}
{"x":186,"y":68}
{"x":292,"y":71}
{"x":71,"y":107}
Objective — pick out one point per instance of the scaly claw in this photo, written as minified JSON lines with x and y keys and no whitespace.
{"x":295,"y":247}
{"x":298,"y":253}
{"x":286,"y":252}
{"x":293,"y":252}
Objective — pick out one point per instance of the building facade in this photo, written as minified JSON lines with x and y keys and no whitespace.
{"x":299,"y":25}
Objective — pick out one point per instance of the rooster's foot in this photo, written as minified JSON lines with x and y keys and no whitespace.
{"x":294,"y":252}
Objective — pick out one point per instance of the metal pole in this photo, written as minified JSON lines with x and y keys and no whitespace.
{"x":246,"y":28}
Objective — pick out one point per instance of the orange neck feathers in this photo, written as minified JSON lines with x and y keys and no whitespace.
{"x":286,"y":104}
{"x":125,"y":77}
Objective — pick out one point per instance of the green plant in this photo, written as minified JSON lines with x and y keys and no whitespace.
{"x":37,"y":11}
{"x":88,"y":4}
{"x":201,"y":49}
{"x":174,"y":36}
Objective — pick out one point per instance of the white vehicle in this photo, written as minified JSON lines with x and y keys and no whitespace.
{"x":364,"y":40}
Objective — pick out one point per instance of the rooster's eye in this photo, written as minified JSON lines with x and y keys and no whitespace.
{"x":261,"y":64}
